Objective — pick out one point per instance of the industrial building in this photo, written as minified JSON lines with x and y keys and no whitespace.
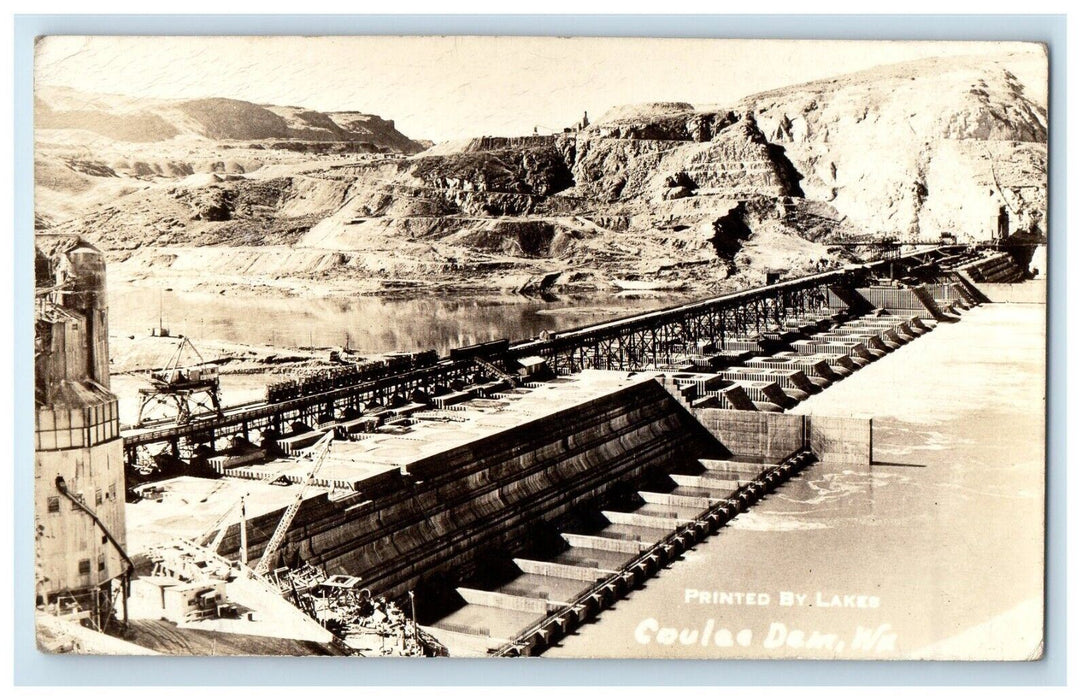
{"x":79,"y":481}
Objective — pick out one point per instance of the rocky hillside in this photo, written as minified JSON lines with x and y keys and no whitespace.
{"x":917,"y":149}
{"x":144,"y":120}
{"x":93,"y":149}
{"x":665,"y":191}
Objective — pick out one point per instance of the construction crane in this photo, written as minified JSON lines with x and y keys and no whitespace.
{"x":497,"y":373}
{"x":194,"y":561}
{"x":218,"y":529}
{"x":321,"y":450}
{"x":213,"y":536}
{"x":184,"y":387}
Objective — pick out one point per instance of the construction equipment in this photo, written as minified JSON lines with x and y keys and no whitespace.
{"x":497,"y":373}
{"x":186,"y":388}
{"x":321,"y":450}
{"x":187,"y":561}
{"x":191,"y":560}
{"x":217,"y":530}
{"x":213,"y":536}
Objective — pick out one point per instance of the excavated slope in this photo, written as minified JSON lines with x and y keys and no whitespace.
{"x":661,"y":191}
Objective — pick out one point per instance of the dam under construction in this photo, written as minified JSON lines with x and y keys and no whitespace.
{"x":500,"y":499}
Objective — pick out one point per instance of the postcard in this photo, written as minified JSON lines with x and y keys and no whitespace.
{"x":526,"y":346}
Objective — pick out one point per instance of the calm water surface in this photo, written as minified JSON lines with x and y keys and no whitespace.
{"x":366,"y":324}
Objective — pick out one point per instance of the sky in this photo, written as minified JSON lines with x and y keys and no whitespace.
{"x":442,"y":88}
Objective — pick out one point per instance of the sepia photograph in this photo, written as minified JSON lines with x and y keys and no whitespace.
{"x":510,"y":346}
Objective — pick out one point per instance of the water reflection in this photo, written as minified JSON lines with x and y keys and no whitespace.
{"x":366,"y":324}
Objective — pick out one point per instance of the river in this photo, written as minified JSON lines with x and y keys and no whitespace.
{"x":934,"y":551}
{"x":365,"y":324}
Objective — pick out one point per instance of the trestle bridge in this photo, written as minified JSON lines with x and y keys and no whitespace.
{"x":636,"y":342}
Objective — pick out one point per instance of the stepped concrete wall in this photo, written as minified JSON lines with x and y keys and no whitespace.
{"x":921,"y":300}
{"x":442,"y":512}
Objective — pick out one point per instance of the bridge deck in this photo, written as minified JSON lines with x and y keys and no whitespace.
{"x":579,"y":339}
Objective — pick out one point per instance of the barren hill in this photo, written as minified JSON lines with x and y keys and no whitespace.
{"x":918,"y":148}
{"x":145,"y":120}
{"x":666,"y":191}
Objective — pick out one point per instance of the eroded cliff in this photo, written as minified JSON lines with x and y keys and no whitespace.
{"x":663,"y":192}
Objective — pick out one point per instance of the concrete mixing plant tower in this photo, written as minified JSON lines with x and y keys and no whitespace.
{"x":79,"y":480}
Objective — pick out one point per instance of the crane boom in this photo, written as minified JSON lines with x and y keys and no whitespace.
{"x":219,"y":528}
{"x":280,"y":533}
{"x":494,"y":371}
